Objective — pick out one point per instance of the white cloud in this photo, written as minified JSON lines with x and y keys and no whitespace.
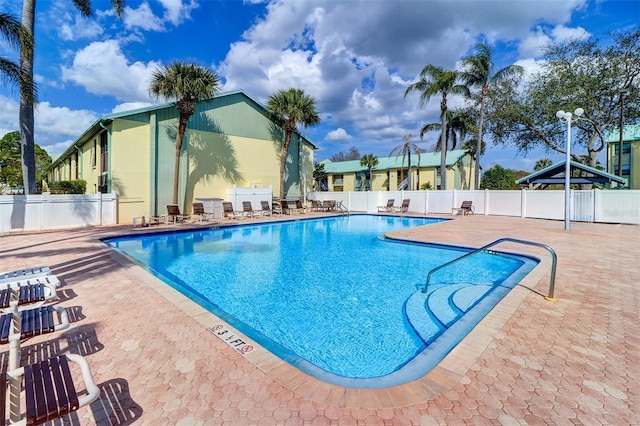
{"x":176,"y":11}
{"x":338,"y":135}
{"x":127,"y":106}
{"x":101,"y":68}
{"x":54,"y":123}
{"x":143,"y":17}
{"x":54,"y":127}
{"x":78,"y":28}
{"x":357,"y":57}
{"x":533,"y":44}
{"x":562,"y":33}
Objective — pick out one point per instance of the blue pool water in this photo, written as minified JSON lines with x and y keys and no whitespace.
{"x":331,"y":296}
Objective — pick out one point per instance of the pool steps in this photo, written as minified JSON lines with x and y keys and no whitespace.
{"x":431,"y":313}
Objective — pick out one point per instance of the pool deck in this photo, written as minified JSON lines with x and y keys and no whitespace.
{"x":530,"y":361}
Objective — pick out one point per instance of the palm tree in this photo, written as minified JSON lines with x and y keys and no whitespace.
{"x":186,"y":83}
{"x":18,"y":37}
{"x":542,"y":164}
{"x":290,"y":108}
{"x":405,"y":150}
{"x":435,"y":80}
{"x":369,"y":161}
{"x":478,"y":71}
{"x":459,"y":126}
{"x":26,"y":95}
{"x":470,"y":146}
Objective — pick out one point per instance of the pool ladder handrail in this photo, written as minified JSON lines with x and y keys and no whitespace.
{"x":552,"y":279}
{"x":341,"y":207}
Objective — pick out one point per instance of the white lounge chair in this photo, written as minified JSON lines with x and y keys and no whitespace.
{"x":50,"y":391}
{"x":19,"y":274}
{"x":32,"y":322}
{"x":28,"y":293}
{"x":388,"y":207}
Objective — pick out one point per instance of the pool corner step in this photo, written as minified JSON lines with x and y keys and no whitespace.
{"x":424,"y":324}
{"x":466,"y":297}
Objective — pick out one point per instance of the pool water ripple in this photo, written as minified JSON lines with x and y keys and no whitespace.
{"x":328,"y":291}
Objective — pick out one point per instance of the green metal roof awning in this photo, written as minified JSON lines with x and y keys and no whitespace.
{"x":555,"y":175}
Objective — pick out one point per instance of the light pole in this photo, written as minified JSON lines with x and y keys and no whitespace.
{"x":622,"y":93}
{"x":566,"y":116}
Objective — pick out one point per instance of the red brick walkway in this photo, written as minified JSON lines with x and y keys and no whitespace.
{"x":576,"y":361}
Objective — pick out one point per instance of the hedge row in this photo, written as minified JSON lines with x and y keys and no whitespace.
{"x":68,"y":187}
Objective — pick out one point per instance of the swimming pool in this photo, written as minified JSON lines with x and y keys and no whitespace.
{"x":329,"y":295}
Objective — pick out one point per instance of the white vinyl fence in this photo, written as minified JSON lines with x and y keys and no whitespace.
{"x":48,"y":211}
{"x":237,"y":195}
{"x":621,"y":206}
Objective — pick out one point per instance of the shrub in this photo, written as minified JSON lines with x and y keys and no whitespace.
{"x":68,"y":187}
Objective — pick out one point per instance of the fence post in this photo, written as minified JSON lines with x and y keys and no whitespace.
{"x":100,"y":208}
{"x":523,"y":203}
{"x":426,"y":201}
{"x":486,"y":202}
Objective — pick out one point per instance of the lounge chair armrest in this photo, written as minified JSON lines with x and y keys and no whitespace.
{"x":93,"y":391}
{"x":64,"y":318}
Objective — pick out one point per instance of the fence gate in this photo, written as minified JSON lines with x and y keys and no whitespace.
{"x":583,"y":206}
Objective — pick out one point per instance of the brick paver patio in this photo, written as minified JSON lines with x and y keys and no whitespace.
{"x":575,"y":361}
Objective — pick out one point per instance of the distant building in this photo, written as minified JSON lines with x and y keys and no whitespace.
{"x":391,"y":173}
{"x":630,"y":153}
{"x":229,"y":141}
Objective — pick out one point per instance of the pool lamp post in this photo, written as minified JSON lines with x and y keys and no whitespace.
{"x":622,"y":93}
{"x":566,"y":116}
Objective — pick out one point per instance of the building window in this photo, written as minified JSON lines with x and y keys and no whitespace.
{"x":77,"y":165}
{"x":626,"y":169}
{"x":94,"y":153}
{"x":626,"y":148}
{"x":104,"y":152}
{"x":102,"y":184}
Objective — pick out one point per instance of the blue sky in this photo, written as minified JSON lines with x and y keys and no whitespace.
{"x":354,"y":57}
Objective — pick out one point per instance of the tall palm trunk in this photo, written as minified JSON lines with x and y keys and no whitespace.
{"x":26,"y":107}
{"x":479,"y":143}
{"x":182,"y":128}
{"x":283,"y":161}
{"x":409,"y":171}
{"x":443,"y":144}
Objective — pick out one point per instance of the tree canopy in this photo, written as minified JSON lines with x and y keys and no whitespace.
{"x":498,"y":177}
{"x":319,"y":177}
{"x":369,"y":161}
{"x":579,"y":73}
{"x":351,"y":154}
{"x":17,"y":36}
{"x":434,"y":81}
{"x":11,"y":165}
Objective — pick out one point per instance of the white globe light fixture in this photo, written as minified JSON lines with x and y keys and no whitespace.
{"x":566,"y":116}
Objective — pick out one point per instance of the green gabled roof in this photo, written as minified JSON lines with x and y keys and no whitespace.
{"x":630,"y":132}
{"x":427,"y":159}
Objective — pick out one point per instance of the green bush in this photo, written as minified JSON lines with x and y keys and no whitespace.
{"x":68,"y":187}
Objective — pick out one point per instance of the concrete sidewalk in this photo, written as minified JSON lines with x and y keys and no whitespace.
{"x":574,"y":361}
